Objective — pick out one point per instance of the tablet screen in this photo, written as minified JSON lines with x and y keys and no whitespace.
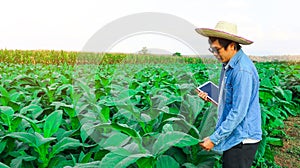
{"x":211,"y":89}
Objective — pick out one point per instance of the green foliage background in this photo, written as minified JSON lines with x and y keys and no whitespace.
{"x":70,"y":109}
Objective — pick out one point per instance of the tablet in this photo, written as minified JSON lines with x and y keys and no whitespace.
{"x":212,"y":90}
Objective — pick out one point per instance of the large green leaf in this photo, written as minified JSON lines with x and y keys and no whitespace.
{"x":2,"y":145}
{"x":146,"y":162}
{"x":4,"y":96}
{"x":274,"y":141}
{"x":52,"y":123}
{"x":2,"y":165}
{"x":61,"y":133}
{"x":4,"y":92}
{"x":60,"y":161}
{"x":16,"y":124}
{"x":172,"y":99}
{"x":169,"y":139}
{"x":297,"y":88}
{"x":35,"y":140}
{"x":182,"y":125}
{"x":40,"y":140}
{"x":265,"y":94}
{"x":17,"y":162}
{"x":270,"y":113}
{"x":191,"y":107}
{"x":288,"y":95}
{"x":86,"y":130}
{"x":119,"y":127}
{"x":126,"y":129}
{"x":67,"y":87}
{"x":121,"y":160}
{"x":33,"y":110}
{"x":65,"y":143}
{"x":33,"y":123}
{"x":277,"y":123}
{"x":104,"y":114}
{"x":85,"y":158}
{"x":24,"y":137}
{"x":265,"y":82}
{"x":208,"y":122}
{"x":206,"y":159}
{"x":60,"y":104}
{"x":6,"y":114}
{"x":107,"y":130}
{"x":131,"y":159}
{"x":189,"y":165}
{"x":115,"y":139}
{"x":166,"y":161}
{"x":95,"y":164}
{"x":23,"y":80}
{"x":279,"y":92}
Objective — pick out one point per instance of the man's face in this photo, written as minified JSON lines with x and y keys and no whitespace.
{"x":221,"y":53}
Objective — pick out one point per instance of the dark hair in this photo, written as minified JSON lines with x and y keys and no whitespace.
{"x":224,"y":42}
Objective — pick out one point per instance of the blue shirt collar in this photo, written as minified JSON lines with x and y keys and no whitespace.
{"x":235,"y":59}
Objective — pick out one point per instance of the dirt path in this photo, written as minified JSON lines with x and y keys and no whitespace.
{"x":288,"y":156}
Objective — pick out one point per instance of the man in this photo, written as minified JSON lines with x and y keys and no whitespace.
{"x":238,"y":130}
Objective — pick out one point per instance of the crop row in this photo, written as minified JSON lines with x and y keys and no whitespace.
{"x":47,"y":57}
{"x":125,"y":115}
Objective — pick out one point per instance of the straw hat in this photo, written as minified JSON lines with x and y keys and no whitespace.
{"x":224,"y":30}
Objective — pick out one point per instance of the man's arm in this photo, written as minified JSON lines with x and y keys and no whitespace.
{"x":242,"y":90}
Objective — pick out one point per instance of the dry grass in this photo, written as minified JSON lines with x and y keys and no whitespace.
{"x":285,"y":58}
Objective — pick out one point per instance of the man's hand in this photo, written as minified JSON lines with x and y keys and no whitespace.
{"x":207,"y":144}
{"x":202,"y":95}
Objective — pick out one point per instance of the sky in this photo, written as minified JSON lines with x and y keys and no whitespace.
{"x":70,"y":24}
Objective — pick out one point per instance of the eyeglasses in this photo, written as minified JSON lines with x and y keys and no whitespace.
{"x":215,"y":50}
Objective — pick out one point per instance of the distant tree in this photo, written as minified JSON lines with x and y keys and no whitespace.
{"x":143,"y":51}
{"x":177,"y":54}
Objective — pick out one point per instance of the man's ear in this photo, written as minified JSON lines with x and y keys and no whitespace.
{"x":232,"y":46}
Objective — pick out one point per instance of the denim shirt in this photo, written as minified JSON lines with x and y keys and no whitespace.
{"x":239,"y":115}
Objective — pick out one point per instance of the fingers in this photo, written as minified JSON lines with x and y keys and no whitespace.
{"x":203,"y":146}
{"x":206,"y":144}
{"x":202,"y":95}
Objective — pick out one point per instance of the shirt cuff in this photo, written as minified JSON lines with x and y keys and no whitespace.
{"x":215,"y":138}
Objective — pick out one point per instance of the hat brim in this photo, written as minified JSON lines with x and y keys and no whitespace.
{"x":207,"y":32}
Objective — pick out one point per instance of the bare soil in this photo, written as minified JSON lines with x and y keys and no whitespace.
{"x":288,"y":156}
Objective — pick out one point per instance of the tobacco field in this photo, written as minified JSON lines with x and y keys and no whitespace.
{"x":70,"y":109}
